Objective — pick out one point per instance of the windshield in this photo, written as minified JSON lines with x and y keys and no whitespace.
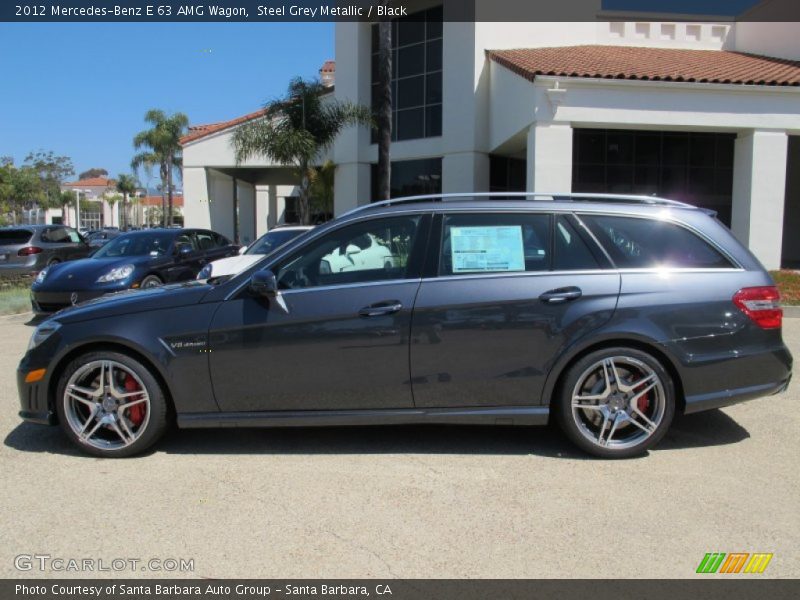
{"x":154,"y":244}
{"x":273,"y":240}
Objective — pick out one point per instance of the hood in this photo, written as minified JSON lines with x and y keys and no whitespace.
{"x":233,"y":264}
{"x":133,"y":301}
{"x":83,"y":274}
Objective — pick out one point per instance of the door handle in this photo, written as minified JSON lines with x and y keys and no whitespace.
{"x":380,"y":309}
{"x":561,"y":295}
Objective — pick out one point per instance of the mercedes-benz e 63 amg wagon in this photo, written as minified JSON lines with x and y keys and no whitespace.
{"x":606,"y":314}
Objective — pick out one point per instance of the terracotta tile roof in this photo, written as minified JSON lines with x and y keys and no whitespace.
{"x":650,"y":64}
{"x":198,"y":131}
{"x":156,"y":200}
{"x":329,"y":66}
{"x":92,"y":182}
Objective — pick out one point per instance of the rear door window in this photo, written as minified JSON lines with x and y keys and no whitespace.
{"x":495,"y":243}
{"x":571,"y":251}
{"x":14,"y":237}
{"x":648,"y":243}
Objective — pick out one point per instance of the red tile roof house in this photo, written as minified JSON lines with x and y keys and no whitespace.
{"x":95,"y":190}
{"x":256,"y":195}
{"x":702,"y":110}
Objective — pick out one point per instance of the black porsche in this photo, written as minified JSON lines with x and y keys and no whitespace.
{"x":139,"y":259}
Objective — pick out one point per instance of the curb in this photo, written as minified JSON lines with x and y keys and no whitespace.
{"x":791,"y":312}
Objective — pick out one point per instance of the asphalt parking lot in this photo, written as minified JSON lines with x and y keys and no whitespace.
{"x":406,"y":502}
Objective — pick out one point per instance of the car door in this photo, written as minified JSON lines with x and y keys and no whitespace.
{"x":182,"y":267}
{"x":334,"y":338}
{"x":213,"y":246}
{"x":509,"y":293}
{"x":76,"y":247}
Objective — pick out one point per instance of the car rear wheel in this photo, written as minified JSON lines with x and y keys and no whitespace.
{"x":616,"y":402}
{"x":110,"y":405}
{"x":151,"y":281}
{"x":53,"y":261}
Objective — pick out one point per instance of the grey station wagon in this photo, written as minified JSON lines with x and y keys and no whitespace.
{"x":607,"y":314}
{"x":27,"y":249}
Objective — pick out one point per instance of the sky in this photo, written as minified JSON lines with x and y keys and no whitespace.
{"x":82,"y":90}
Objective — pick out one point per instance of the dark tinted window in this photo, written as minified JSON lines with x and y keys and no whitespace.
{"x":15,"y":236}
{"x":644,"y":243}
{"x":495,"y":243}
{"x":377,"y":250}
{"x":412,"y":178}
{"x":154,"y":244}
{"x":221,"y":240}
{"x":571,"y":250}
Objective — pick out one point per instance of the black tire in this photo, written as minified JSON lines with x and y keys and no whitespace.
{"x":151,"y":281}
{"x":663,"y":392}
{"x":151,"y":431}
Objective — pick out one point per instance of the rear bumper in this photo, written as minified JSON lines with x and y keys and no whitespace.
{"x":699,"y":403}
{"x":718,"y":379}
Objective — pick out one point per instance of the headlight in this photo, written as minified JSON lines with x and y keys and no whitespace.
{"x":41,"y":276}
{"x":117,"y":274}
{"x":205,"y":272}
{"x":42,"y":332}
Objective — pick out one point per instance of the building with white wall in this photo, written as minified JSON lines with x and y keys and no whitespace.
{"x":702,"y":111}
{"x":96,"y":210}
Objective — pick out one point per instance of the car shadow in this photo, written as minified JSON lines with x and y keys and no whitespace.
{"x":36,"y":319}
{"x":713,"y":428}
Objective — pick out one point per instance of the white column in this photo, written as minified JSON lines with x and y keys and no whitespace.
{"x":759,"y":188}
{"x":262,"y":208}
{"x":351,"y":187}
{"x":550,"y":158}
{"x":465,"y":172}
{"x":196,"y":207}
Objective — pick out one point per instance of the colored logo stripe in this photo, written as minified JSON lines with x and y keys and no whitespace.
{"x":714,"y":562}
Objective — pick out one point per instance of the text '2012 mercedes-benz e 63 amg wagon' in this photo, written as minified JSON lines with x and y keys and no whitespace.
{"x":608,"y":314}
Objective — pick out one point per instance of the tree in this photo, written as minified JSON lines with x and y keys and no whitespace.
{"x":296,"y":129}
{"x":126,"y":185}
{"x":112,"y":201}
{"x":52,"y":171}
{"x":384,"y":109}
{"x":67,"y":198}
{"x":94,"y":172}
{"x":162,"y":148}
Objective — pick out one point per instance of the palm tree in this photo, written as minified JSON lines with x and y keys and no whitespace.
{"x":296,"y":129}
{"x":321,"y":188}
{"x":126,"y":185}
{"x":163,"y":149}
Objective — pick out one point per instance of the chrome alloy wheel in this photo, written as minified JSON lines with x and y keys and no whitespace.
{"x":618,"y":402}
{"x":106,"y":405}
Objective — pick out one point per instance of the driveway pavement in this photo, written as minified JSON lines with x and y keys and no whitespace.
{"x":406,"y":502}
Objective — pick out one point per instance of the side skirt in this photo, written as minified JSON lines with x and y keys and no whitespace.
{"x":517,"y":415}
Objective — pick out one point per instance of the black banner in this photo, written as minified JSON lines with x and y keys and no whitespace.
{"x":373,"y":10}
{"x":735,"y":588}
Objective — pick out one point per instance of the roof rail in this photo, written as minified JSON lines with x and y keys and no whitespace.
{"x":557,"y":196}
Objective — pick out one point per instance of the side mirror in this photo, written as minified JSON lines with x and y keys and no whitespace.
{"x":264,"y":284}
{"x":243,"y":249}
{"x":183,"y":250}
{"x":352,"y":249}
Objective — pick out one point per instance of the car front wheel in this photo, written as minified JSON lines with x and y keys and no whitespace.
{"x":616,"y":402}
{"x":110,"y":405}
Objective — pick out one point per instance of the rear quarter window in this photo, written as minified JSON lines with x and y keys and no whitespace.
{"x":13,"y":237}
{"x":648,"y":243}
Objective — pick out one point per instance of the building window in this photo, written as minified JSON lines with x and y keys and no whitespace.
{"x":507,"y":174}
{"x":416,"y":75}
{"x":691,"y":167}
{"x":291,"y":212}
{"x":412,"y":178}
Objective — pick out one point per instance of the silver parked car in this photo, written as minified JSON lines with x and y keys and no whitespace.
{"x":27,"y":249}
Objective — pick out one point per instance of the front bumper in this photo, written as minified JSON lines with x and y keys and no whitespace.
{"x":50,"y":302}
{"x":33,"y":399}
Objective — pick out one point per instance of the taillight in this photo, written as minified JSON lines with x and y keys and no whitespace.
{"x":28,"y":250}
{"x":762,"y":305}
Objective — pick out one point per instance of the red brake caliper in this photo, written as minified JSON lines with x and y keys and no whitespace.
{"x":135,"y":413}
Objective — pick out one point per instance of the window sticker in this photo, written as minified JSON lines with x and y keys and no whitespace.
{"x":487,"y":249}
